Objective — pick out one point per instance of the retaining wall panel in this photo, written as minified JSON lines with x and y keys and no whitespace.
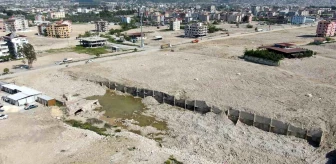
{"x":246,"y":118}
{"x":131,"y":91}
{"x":148,"y":92}
{"x":297,"y":132}
{"x":180,"y":103}
{"x":141,"y":92}
{"x":158,"y":96}
{"x":120,"y":87}
{"x":190,"y":105}
{"x":169,"y":100}
{"x":279,"y":127}
{"x":202,"y":107}
{"x":216,"y":110}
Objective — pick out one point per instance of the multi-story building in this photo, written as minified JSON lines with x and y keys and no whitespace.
{"x":42,"y":29}
{"x":325,"y":28}
{"x":301,"y":20}
{"x":304,"y":12}
{"x":16,"y":23}
{"x":2,"y":25}
{"x":4,"y":51}
{"x":175,"y":25}
{"x":57,"y":15}
{"x":204,"y":17}
{"x":255,"y":10}
{"x":125,"y":19}
{"x":39,"y":19}
{"x":234,"y":17}
{"x":195,"y":30}
{"x":61,"y":29}
{"x":14,"y":42}
{"x":101,"y":26}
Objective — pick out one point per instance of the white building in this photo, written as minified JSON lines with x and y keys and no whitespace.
{"x":20,"y":95}
{"x":301,"y":20}
{"x":16,"y":23}
{"x":204,"y":17}
{"x":125,"y":19}
{"x":4,"y":51}
{"x":56,"y":15}
{"x":79,"y":10}
{"x":195,"y":30}
{"x":175,"y":25}
{"x":15,"y":41}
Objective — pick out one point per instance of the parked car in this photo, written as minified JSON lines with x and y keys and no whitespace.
{"x":67,"y":59}
{"x":30,"y":107}
{"x":3,"y":116}
{"x":89,"y":61}
{"x":59,"y":62}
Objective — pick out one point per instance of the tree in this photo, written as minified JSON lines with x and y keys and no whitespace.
{"x":28,"y":51}
{"x":6,"y":71}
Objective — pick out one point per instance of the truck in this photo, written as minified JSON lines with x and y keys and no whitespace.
{"x":163,"y":46}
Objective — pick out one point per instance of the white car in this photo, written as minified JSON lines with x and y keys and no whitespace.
{"x":89,"y":61}
{"x":67,"y":59}
{"x":59,"y":62}
{"x":3,"y":116}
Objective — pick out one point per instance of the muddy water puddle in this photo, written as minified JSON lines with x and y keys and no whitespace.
{"x":120,"y":107}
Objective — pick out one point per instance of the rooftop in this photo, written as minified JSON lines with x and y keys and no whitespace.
{"x":17,"y":96}
{"x":93,"y":39}
{"x":45,"y":97}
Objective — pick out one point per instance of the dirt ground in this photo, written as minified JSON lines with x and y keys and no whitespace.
{"x":210,"y":71}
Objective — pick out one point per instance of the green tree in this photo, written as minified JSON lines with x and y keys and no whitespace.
{"x":28,"y":51}
{"x":6,"y":71}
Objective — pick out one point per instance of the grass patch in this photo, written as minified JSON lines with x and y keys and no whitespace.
{"x":264,"y":54}
{"x":94,"y":121}
{"x":59,"y":50}
{"x":87,"y":126}
{"x":90,"y":51}
{"x":172,"y":160}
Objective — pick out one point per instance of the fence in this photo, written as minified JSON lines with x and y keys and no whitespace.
{"x":267,"y":124}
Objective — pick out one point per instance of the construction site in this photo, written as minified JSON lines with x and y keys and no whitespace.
{"x":206,"y":104}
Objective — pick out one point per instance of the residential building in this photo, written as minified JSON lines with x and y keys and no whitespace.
{"x":195,"y":30}
{"x":15,"y":41}
{"x":2,"y":25}
{"x":212,"y":8}
{"x":325,"y":28}
{"x":16,"y":23}
{"x":101,"y":26}
{"x":42,"y":29}
{"x":301,"y":20}
{"x":304,"y":12}
{"x":175,"y":25}
{"x":39,"y":19}
{"x":234,"y":17}
{"x":125,"y":19}
{"x":255,"y":10}
{"x":4,"y":51}
{"x":204,"y":17}
{"x":92,"y":42}
{"x":57,"y":15}
{"x":61,"y":29}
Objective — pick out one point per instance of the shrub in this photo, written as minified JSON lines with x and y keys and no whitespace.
{"x":117,"y":130}
{"x":107,"y":126}
{"x":172,"y":160}
{"x":94,"y":121}
{"x":6,"y":71}
{"x":249,"y":26}
{"x":135,"y":49}
{"x":264,"y":54}
{"x":87,"y":126}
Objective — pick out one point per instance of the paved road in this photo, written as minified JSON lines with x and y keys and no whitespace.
{"x":144,"y":50}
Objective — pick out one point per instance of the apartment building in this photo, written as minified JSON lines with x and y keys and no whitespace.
{"x":304,"y":12}
{"x":61,"y":29}
{"x":4,"y":51}
{"x":101,"y":26}
{"x":195,"y":30}
{"x":125,"y":19}
{"x":2,"y":25}
{"x":301,"y":20}
{"x":15,"y":41}
{"x":326,"y":28}
{"x":42,"y":29}
{"x":16,"y":23}
{"x":175,"y":25}
{"x":39,"y":19}
{"x":204,"y":17}
{"x":57,"y":15}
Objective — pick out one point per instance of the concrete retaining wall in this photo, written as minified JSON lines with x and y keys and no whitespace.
{"x":267,"y":124}
{"x":261,"y":61}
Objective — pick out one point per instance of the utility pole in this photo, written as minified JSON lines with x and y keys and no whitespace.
{"x":142,"y":43}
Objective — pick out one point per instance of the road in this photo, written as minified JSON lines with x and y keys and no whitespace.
{"x":142,"y":51}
